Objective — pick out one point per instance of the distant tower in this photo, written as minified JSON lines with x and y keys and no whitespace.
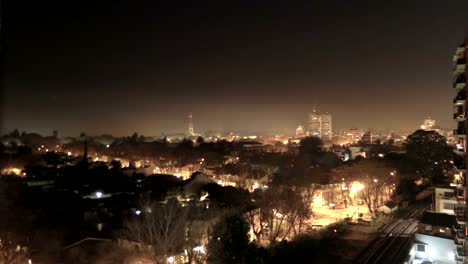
{"x":190,"y":126}
{"x":320,"y":125}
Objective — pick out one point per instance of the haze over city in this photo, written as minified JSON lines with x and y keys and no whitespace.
{"x":243,"y":132}
{"x":123,"y":66}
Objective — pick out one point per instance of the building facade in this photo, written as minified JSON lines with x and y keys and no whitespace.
{"x":300,"y":132}
{"x":460,"y":107}
{"x":320,"y":125}
{"x":434,"y":241}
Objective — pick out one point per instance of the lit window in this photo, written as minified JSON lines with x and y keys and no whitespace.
{"x":428,"y":228}
{"x":421,"y":248}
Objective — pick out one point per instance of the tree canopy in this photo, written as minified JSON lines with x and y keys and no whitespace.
{"x":428,"y":154}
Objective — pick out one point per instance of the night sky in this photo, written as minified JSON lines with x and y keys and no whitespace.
{"x":124,"y":66}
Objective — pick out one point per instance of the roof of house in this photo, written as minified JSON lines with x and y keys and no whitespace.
{"x":391,"y":204}
{"x":438,"y":219}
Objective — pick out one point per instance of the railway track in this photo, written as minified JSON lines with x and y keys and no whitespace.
{"x":393,"y":240}
{"x":387,"y":240}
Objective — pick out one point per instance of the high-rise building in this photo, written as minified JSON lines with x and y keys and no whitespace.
{"x":444,"y":240}
{"x":320,"y":125}
{"x":460,"y":73}
{"x":191,"y":131}
{"x":353,"y":135}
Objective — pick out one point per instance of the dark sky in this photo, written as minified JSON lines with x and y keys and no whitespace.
{"x":124,"y":66}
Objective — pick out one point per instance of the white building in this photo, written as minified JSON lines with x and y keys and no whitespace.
{"x":433,"y":249}
{"x":436,"y":240}
{"x":300,"y":131}
{"x":445,"y":199}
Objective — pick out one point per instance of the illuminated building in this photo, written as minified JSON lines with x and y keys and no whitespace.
{"x":428,"y":124}
{"x":460,"y":73}
{"x":353,"y":135}
{"x":320,"y":125}
{"x":300,"y":131}
{"x":367,"y":138}
{"x":191,"y":132}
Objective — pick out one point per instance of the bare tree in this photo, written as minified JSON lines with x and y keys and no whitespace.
{"x":281,"y":213}
{"x":166,"y":230}
{"x":346,"y":175}
{"x":376,"y":177}
{"x":159,"y":230}
{"x":11,"y":252}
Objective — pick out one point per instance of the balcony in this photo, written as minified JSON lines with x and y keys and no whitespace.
{"x":459,"y":152}
{"x":460,"y":79}
{"x":459,"y":211}
{"x":460,"y":253}
{"x":460,"y":232}
{"x":459,"y":161}
{"x":460,"y":50}
{"x":461,"y":96}
{"x":459,"y":131}
{"x":459,"y":242}
{"x":459,"y":116}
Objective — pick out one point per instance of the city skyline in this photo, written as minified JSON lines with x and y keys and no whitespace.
{"x":245,"y":68}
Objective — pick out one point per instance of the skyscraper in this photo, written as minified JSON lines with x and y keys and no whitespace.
{"x":191,"y":132}
{"x":320,"y":125}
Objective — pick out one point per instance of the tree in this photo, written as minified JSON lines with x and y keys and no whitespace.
{"x":185,"y":152}
{"x":229,"y":242}
{"x":347,"y":175}
{"x":116,"y":165}
{"x":200,"y":140}
{"x":160,"y":230}
{"x":428,"y":154}
{"x":15,"y":133}
{"x":12,"y":253}
{"x":281,"y":212}
{"x":376,"y":177}
{"x":15,"y":224}
{"x":310,"y":146}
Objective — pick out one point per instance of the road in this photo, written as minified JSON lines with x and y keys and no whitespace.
{"x":394,"y":239}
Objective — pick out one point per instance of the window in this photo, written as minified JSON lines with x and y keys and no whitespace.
{"x":428,"y":228}
{"x":448,"y":206}
{"x":420,"y":247}
{"x":448,"y":195}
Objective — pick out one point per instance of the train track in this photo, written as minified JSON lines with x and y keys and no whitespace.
{"x":392,"y":241}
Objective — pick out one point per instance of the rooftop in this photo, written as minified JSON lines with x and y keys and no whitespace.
{"x":438,"y":219}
